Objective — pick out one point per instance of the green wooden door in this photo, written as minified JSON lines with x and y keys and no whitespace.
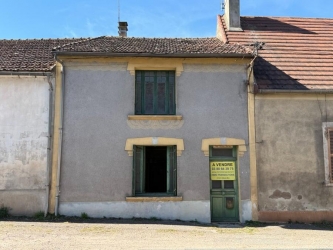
{"x":223,"y":184}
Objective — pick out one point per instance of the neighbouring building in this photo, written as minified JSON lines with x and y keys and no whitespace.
{"x":292,"y":95}
{"x":26,"y":91}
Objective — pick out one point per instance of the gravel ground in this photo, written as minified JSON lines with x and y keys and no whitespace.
{"x":148,"y":234}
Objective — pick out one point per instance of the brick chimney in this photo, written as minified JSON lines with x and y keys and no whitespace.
{"x":232,"y":15}
{"x":122,"y":29}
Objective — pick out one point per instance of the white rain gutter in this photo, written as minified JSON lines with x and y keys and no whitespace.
{"x":49,"y":144}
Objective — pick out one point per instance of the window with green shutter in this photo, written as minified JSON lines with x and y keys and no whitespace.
{"x":155,"y":92}
{"x":155,"y":171}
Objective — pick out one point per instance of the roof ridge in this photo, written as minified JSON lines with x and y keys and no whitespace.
{"x":153,"y":46}
{"x":78,"y":42}
{"x":168,"y":38}
{"x":140,"y":38}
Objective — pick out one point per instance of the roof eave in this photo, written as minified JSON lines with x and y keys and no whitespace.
{"x":180,"y":55}
{"x":26,"y":73}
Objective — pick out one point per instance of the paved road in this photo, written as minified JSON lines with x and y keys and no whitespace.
{"x":124,"y":234}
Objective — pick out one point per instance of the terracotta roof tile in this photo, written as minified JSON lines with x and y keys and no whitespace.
{"x":297,"y":52}
{"x":154,"y":46}
{"x":29,"y":55}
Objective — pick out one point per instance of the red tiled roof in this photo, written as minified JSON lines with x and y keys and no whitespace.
{"x":154,"y":46}
{"x":297,"y":52}
{"x":33,"y":55}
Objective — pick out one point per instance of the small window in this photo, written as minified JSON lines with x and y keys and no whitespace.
{"x":222,"y":152}
{"x":228,"y":184}
{"x":155,"y":93}
{"x":155,"y":171}
{"x":216,"y":184}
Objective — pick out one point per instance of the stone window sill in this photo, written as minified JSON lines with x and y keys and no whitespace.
{"x":329,"y":184}
{"x":154,"y":199}
{"x":155,"y":117}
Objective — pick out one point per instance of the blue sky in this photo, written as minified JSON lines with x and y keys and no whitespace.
{"x":21,"y":19}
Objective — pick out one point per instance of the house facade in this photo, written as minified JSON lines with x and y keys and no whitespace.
{"x":292,"y":90}
{"x":152,"y":128}
{"x":191,"y":129}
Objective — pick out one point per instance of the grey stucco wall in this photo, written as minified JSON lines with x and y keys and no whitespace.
{"x":98,"y":99}
{"x":290,"y":158}
{"x":24,"y":118}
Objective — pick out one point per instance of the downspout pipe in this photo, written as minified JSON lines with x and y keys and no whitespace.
{"x":49,"y":146}
{"x":60,"y":137}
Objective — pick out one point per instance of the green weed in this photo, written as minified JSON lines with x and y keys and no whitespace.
{"x":84,"y":216}
{"x":39,"y":215}
{"x":4,"y":212}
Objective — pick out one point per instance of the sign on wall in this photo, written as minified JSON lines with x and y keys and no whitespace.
{"x":222,"y":170}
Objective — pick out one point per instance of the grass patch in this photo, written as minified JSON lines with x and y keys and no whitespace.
{"x":39,"y":215}
{"x":154,"y":219}
{"x":4,"y":212}
{"x":251,"y":223}
{"x":84,"y":216}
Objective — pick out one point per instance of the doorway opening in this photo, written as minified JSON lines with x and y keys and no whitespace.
{"x":156,"y":170}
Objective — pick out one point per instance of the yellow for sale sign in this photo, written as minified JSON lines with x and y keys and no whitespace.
{"x":222,"y":170}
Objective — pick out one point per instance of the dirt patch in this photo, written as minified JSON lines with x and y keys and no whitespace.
{"x":111,"y":233}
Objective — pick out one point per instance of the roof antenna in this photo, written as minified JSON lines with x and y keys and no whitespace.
{"x":222,"y":5}
{"x":118,"y":11}
{"x":122,"y":26}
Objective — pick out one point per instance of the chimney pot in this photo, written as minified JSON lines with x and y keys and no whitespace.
{"x":122,"y":29}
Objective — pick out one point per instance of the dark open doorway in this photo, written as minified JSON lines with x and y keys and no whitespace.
{"x":156,"y":170}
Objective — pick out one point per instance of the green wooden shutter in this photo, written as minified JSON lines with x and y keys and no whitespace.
{"x":149,"y":92}
{"x":138,"y":92}
{"x":138,"y":170}
{"x":155,"y":92}
{"x":161,"y":105}
{"x":171,"y":93}
{"x":172,"y":170}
